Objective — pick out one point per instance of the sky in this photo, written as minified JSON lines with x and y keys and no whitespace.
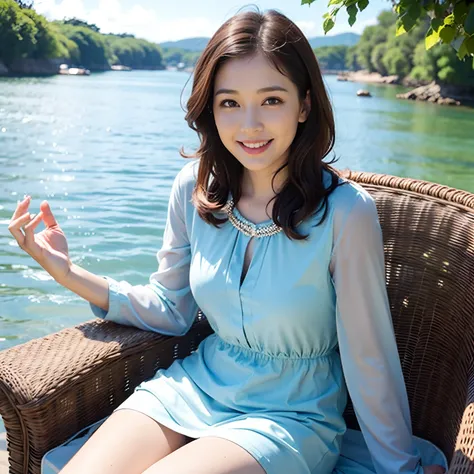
{"x":171,"y":20}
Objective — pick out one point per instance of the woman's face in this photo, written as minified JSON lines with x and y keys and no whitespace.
{"x":256,"y":105}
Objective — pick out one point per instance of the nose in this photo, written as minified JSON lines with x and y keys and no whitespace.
{"x":251,"y":122}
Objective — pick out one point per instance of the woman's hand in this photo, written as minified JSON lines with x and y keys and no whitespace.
{"x":434,"y":469}
{"x":49,"y":247}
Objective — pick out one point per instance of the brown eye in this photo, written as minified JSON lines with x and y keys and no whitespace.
{"x":227,"y":101}
{"x":278,"y":101}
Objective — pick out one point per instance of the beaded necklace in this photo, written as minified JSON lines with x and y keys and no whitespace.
{"x":249,"y":228}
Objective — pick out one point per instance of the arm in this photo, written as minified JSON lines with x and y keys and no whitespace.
{"x":367,"y":341}
{"x":166,"y":304}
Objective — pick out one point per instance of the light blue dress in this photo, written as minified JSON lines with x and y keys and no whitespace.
{"x":271,"y":376}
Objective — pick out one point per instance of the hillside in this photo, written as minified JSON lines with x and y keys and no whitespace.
{"x":198,"y":44}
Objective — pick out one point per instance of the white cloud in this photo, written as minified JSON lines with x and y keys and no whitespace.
{"x":111,"y":17}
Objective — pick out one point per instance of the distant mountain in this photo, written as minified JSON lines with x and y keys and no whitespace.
{"x":342,"y":39}
{"x":198,"y":44}
{"x":190,"y":44}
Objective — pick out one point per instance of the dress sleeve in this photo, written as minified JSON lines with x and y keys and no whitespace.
{"x":166,"y":304}
{"x":366,"y":338}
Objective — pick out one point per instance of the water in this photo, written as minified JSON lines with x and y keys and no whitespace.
{"x":103,"y":150}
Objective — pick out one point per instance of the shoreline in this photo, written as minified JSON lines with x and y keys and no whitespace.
{"x":442,"y":94}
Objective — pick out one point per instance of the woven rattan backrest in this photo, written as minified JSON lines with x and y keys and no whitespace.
{"x":429,"y":255}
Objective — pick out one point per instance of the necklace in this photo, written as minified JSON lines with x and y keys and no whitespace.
{"x":246,"y":227}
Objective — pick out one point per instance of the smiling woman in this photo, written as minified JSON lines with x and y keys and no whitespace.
{"x":296,"y":324}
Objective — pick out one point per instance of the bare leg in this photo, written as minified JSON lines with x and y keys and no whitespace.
{"x":209,"y":455}
{"x":128,"y":442}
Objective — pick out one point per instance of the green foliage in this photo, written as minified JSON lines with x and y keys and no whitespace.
{"x":441,"y":64}
{"x":396,"y":62}
{"x":135,"y":53}
{"x":78,"y":22}
{"x":332,"y":57}
{"x":377,"y":56}
{"x":47,"y":43}
{"x":351,"y":59}
{"x":174,"y":56}
{"x":17,"y":32}
{"x":381,"y":50}
{"x":93,"y":50}
{"x":452,"y":21}
{"x":26,"y":34}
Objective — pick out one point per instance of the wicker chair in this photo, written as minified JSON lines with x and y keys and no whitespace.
{"x":52,"y":387}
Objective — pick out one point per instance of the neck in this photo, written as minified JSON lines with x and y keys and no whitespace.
{"x":257,"y":185}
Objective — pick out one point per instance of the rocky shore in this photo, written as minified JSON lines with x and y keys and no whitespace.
{"x":368,"y":77}
{"x":436,"y":93}
{"x":441,"y":94}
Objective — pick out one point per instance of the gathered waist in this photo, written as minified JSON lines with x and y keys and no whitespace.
{"x":234,"y":347}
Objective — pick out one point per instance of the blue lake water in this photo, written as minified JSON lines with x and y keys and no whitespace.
{"x":103,"y":150}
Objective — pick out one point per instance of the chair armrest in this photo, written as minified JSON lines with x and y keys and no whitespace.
{"x":52,"y":387}
{"x":463,"y":457}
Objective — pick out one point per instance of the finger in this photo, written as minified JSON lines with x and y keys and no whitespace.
{"x":31,"y":226}
{"x":33,"y":248}
{"x":15,"y":228}
{"x":21,"y":208}
{"x":48,"y":217}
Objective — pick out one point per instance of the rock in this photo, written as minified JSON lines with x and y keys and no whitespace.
{"x":40,"y":67}
{"x":436,"y":93}
{"x":366,"y":76}
{"x":363,"y":93}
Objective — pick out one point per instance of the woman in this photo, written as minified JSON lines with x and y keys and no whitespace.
{"x":286,"y":261}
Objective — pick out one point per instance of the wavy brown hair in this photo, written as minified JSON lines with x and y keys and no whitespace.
{"x":286,"y":47}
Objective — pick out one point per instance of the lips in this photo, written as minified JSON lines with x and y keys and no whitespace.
{"x":256,"y":151}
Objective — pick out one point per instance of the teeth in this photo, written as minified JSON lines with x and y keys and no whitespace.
{"x":255,"y":145}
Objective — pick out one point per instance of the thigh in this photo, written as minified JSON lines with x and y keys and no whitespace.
{"x":128,"y":442}
{"x":209,"y":455}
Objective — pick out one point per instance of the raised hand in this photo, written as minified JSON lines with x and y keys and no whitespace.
{"x":49,"y":247}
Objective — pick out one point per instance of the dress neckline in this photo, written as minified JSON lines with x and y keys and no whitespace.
{"x":247,"y":227}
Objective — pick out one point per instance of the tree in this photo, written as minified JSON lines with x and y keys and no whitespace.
{"x":17,"y":32}
{"x":78,"y":22}
{"x":451,"y":21}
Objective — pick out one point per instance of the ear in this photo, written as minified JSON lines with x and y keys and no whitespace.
{"x":305,"y":108}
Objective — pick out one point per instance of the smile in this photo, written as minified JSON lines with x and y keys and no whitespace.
{"x":256,"y":148}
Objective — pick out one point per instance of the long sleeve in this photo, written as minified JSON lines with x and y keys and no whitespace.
{"x":166,"y":304}
{"x":366,"y":339}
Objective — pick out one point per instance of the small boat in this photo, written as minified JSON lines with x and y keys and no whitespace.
{"x":363,"y":93}
{"x":120,"y":67}
{"x":73,"y":71}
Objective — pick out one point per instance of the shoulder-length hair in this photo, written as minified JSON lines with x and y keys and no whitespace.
{"x":285,"y":46}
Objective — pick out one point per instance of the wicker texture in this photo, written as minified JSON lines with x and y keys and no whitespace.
{"x":52,"y":387}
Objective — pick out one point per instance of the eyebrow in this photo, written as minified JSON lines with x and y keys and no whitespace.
{"x":260,"y":91}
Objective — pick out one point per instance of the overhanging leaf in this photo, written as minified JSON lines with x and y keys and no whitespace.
{"x":362,"y":4}
{"x":462,"y":51}
{"x":432,"y":38}
{"x":470,"y":45}
{"x":460,"y":11}
{"x":449,"y":20}
{"x":400,"y":28}
{"x":408,"y":21}
{"x":328,"y":25}
{"x":447,"y":33}
{"x":436,"y":24}
{"x":307,"y":2}
{"x":334,"y":2}
{"x":469,"y":23}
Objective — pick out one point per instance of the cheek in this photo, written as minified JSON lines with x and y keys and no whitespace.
{"x":225,"y":123}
